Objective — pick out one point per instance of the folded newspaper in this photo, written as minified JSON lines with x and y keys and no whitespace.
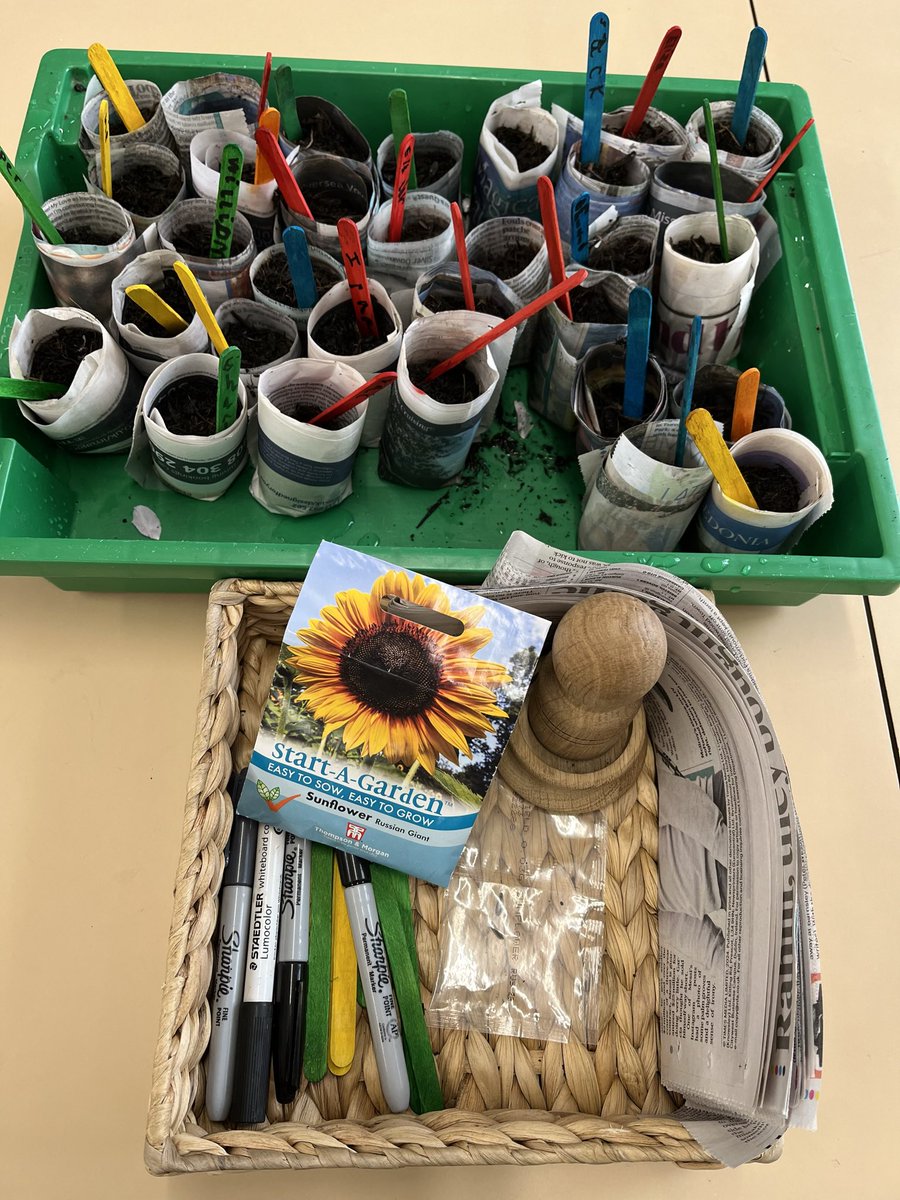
{"x":740,"y":983}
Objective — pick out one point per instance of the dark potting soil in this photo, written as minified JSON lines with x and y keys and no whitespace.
{"x":774,"y":488}
{"x":755,"y":144}
{"x":188,"y":406}
{"x":57,"y":358}
{"x":523,"y":146}
{"x":328,"y":204}
{"x":338,"y":333}
{"x":145,"y":190}
{"x":194,"y":240}
{"x":608,"y":407}
{"x":650,"y":136}
{"x":626,"y":255}
{"x":506,"y":262}
{"x":174,"y":295}
{"x":298,"y":411}
{"x":274,"y":280}
{"x":322,"y":134}
{"x":456,"y":386}
{"x":699,"y":249}
{"x":614,"y":174}
{"x":117,"y":125}
{"x":448,"y":303}
{"x":591,"y":305}
{"x":258,"y":346}
{"x":84,"y":234}
{"x":420,"y":228}
{"x":431,"y":165}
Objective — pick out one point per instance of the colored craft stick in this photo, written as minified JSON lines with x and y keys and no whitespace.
{"x":352,"y":399}
{"x":687,"y":391}
{"x":299,"y":263}
{"x":342,"y":1006}
{"x":462,"y":255}
{"x":315,"y":1042}
{"x":30,"y":389}
{"x":581,"y":219}
{"x":201,"y":305}
{"x":498,"y":331}
{"x":401,"y":187}
{"x":287,"y":184}
{"x":547,"y":201}
{"x":105,"y":159}
{"x":287,"y":103}
{"x":270,"y":120}
{"x":355,"y":267}
{"x":29,"y":201}
{"x":776,"y":166}
{"x":401,"y":126}
{"x":718,"y":458}
{"x":227,"y":388}
{"x":744,"y":404}
{"x":114,"y":86}
{"x":716,"y":180}
{"x":264,"y":88}
{"x":671,"y":38}
{"x":637,"y":353}
{"x":153,"y":304}
{"x":743,"y":105}
{"x":595,"y":88}
{"x":230,"y":168}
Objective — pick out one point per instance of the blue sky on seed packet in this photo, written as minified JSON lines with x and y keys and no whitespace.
{"x":338,"y":569}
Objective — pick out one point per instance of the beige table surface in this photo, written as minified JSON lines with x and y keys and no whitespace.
{"x":99,"y":695}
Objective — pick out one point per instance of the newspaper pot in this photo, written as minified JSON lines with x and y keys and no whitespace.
{"x":560,"y":344}
{"x":627,"y":248}
{"x":597,"y":396}
{"x":187,"y":229}
{"x":426,"y":441}
{"x":266,"y":338}
{"x":328,"y":130}
{"x":301,"y":468}
{"x":438,"y":161}
{"x":719,"y":293}
{"x":440,"y":290}
{"x":96,"y":412}
{"x":270,"y":281}
{"x":147,"y":97}
{"x":637,"y":499}
{"x":369,"y":362}
{"x":147,"y":350}
{"x":762,"y":144}
{"x":425,"y":241}
{"x":255,"y":200}
{"x":218,"y":101}
{"x":146,"y":177}
{"x":513,"y":249}
{"x":201,"y":467}
{"x":661,"y":139}
{"x":714,"y":390}
{"x":726,"y":526}
{"x":627,"y":195}
{"x":80,"y":274}
{"x":333,"y":188}
{"x":500,"y":188}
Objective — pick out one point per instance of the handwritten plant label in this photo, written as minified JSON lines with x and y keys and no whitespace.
{"x":654,"y":77}
{"x":581,"y":215}
{"x":287,"y":103}
{"x":459,"y":237}
{"x":230,"y":169}
{"x":595,"y":88}
{"x":296,"y":252}
{"x":357,"y":280}
{"x":401,"y":125}
{"x":28,"y":200}
{"x":401,"y":187}
{"x":227,"y":388}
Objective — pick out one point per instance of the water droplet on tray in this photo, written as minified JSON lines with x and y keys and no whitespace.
{"x":714,"y":565}
{"x":748,"y":570}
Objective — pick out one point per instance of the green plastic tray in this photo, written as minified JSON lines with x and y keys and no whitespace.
{"x":68,"y":518}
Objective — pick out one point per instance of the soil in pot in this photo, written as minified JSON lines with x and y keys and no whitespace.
{"x":755,"y":144}
{"x":273,"y":279}
{"x":506,"y":262}
{"x":322,"y":134}
{"x":607,"y":398}
{"x":459,"y":385}
{"x":420,"y":228}
{"x":145,"y":190}
{"x":651,"y":135}
{"x":82,"y":233}
{"x":56,"y":358}
{"x":591,"y":305}
{"x":117,"y":125}
{"x":195,"y":241}
{"x":337,"y":331}
{"x":614,"y":174}
{"x":174,"y":295}
{"x":773,"y":487}
{"x":328,"y":203}
{"x":431,"y":164}
{"x":628,"y":254}
{"x":523,"y":146}
{"x":259,"y":346}
{"x":299,"y":409}
{"x":447,"y":302}
{"x":699,"y":249}
{"x":188,"y":406}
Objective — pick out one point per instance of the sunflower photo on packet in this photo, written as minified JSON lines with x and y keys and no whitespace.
{"x":392,"y":702}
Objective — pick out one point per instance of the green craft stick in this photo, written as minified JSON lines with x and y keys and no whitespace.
{"x":29,"y":201}
{"x":315,"y":1045}
{"x":287,"y":103}
{"x":227,"y":388}
{"x":226,"y":201}
{"x":716,"y":179}
{"x":30,"y":389}
{"x":401,"y":125}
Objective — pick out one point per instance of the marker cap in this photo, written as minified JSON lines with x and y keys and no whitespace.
{"x":251,"y":1070}
{"x":241,"y":853}
{"x":353,"y":871}
{"x":290,"y":1013}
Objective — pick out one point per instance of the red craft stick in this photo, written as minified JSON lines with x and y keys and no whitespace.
{"x":760,"y":187}
{"x":401,"y":187}
{"x":517,"y":318}
{"x":354,"y":265}
{"x":550,"y":222}
{"x":654,"y":77}
{"x":264,"y":88}
{"x":287,"y":184}
{"x":465,"y":275}
{"x":369,"y":388}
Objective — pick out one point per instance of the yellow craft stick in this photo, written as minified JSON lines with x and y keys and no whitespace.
{"x":271,"y":120}
{"x":718,"y":458}
{"x":108,"y":74}
{"x":342,"y":1011}
{"x":200,"y":303}
{"x":744,"y":404}
{"x":163,"y":314}
{"x":105,"y":159}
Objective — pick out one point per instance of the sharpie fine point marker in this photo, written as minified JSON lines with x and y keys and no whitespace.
{"x":254,"y":1051}
{"x":372,"y":960}
{"x":292,"y":970}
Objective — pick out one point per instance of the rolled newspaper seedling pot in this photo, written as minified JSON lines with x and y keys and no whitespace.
{"x":597,"y":396}
{"x":266,"y":338}
{"x":328,"y":130}
{"x":513,"y":249}
{"x":145,"y":178}
{"x":333,"y":188}
{"x":202,"y":467}
{"x":717,"y":292}
{"x":761,"y":146}
{"x":426,"y":240}
{"x":302,"y":468}
{"x":438,"y":161}
{"x":560,"y":344}
{"x":255,"y":200}
{"x":270,"y":281}
{"x":636,"y":498}
{"x":714,"y":389}
{"x":217,"y":101}
{"x":502,"y":186}
{"x":661,"y":139}
{"x":147,"y":97}
{"x":80,"y":273}
{"x":628,"y":248}
{"x":95,"y":412}
{"x":143,"y":348}
{"x":368,"y":362}
{"x":187,"y":229}
{"x":627,"y":194}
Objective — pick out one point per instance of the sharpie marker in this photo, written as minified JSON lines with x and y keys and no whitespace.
{"x":251,"y":1076}
{"x":291,"y":971}
{"x":371,"y":958}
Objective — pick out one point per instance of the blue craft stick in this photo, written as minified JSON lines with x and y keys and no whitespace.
{"x":637,"y":351}
{"x":581,"y":216}
{"x":300,"y":266}
{"x":687,"y":391}
{"x":753,"y":61}
{"x":595,"y":88}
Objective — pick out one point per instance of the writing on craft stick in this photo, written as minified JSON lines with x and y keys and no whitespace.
{"x":595,"y":87}
{"x":357,"y":282}
{"x":581,"y":208}
{"x":401,"y":187}
{"x":230,"y":169}
{"x":229,"y":375}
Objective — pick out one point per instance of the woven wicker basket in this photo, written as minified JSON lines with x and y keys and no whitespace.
{"x":509,"y":1101}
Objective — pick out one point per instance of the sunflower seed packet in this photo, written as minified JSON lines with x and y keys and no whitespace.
{"x":392,"y":702}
